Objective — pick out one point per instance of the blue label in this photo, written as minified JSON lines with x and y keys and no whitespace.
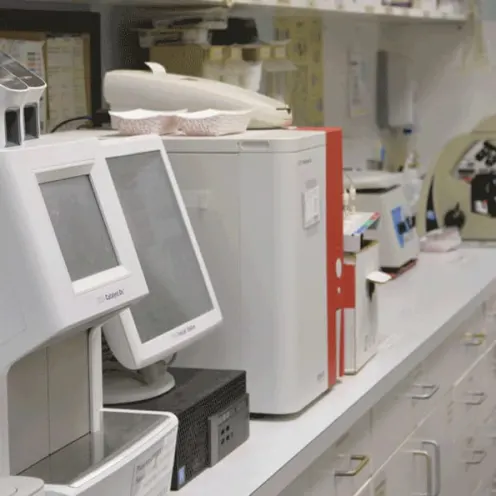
{"x":181,"y":476}
{"x":398,"y":219}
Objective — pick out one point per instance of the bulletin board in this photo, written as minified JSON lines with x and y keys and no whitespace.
{"x":305,"y":85}
{"x":64,"y":48}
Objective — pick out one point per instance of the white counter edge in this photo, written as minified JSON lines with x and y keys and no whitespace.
{"x":389,"y":367}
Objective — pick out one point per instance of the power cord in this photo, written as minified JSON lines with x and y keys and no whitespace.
{"x":68,"y":121}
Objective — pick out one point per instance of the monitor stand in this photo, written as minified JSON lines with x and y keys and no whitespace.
{"x":121,"y":385}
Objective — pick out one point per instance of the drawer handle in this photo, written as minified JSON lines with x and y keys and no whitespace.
{"x":362,"y":460}
{"x":437,"y":464}
{"x":479,"y":398}
{"x":430,"y":391}
{"x":428,"y":464}
{"x":478,"y":456}
{"x":475,"y":339}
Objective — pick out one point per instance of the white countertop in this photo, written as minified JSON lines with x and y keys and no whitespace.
{"x":417,"y":313}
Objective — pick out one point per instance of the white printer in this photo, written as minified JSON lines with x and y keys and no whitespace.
{"x":382,"y":192}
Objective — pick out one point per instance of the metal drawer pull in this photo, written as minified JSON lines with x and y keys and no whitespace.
{"x":362,"y":460}
{"x":475,"y":339}
{"x":428,"y":464}
{"x":479,"y":398}
{"x":430,"y":391}
{"x":437,"y":464}
{"x":478,"y":457}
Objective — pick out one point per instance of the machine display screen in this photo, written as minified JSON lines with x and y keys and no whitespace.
{"x":79,"y":226}
{"x":178,"y":293}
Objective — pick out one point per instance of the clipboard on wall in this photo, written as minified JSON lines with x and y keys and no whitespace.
{"x":70,"y":40}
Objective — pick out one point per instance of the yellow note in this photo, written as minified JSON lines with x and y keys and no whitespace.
{"x":280,"y":52}
{"x":265,"y":53}
{"x":284,"y":2}
{"x":369,"y":9}
{"x":236,"y":53}
{"x":215,"y":53}
{"x":340,"y":4}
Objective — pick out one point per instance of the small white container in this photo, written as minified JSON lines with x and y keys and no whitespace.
{"x":139,"y":121}
{"x":214,"y":122}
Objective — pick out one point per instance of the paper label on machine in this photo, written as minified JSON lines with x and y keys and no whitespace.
{"x":152,"y":470}
{"x":311,"y":207}
{"x":404,"y":232}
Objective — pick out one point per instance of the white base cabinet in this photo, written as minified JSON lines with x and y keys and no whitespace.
{"x":434,"y":434}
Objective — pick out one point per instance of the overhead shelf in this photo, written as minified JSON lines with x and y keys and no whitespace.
{"x":369,"y":8}
{"x":358,"y":7}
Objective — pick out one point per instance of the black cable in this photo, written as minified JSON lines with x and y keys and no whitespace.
{"x":68,"y":121}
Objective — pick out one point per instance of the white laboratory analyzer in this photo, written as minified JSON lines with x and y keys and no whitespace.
{"x":257,"y":204}
{"x":68,"y":264}
{"x":383,"y":192}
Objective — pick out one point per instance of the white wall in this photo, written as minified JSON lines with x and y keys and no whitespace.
{"x":453,"y":95}
{"x":340,"y":36}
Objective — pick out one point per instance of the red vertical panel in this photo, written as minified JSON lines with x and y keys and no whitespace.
{"x":334,"y":235}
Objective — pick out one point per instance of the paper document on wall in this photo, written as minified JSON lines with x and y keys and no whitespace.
{"x":66,"y":79}
{"x":30,"y":54}
{"x":358,"y":99}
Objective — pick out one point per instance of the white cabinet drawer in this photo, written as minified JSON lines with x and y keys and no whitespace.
{"x":342,"y":470}
{"x":392,"y":422}
{"x":486,"y":435}
{"x":470,"y":457}
{"x":470,"y":400}
{"x":488,"y":375}
{"x":432,"y":450}
{"x":352,"y":460}
{"x":485,"y":489}
{"x":317,"y":480}
{"x":490,"y":319}
{"x":395,"y":477}
{"x":320,"y":476}
{"x":367,"y":490}
{"x":447,"y":364}
{"x":299,"y":487}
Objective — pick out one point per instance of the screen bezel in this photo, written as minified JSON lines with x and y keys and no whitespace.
{"x":37,"y":163}
{"x":134,"y":353}
{"x":94,"y":173}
